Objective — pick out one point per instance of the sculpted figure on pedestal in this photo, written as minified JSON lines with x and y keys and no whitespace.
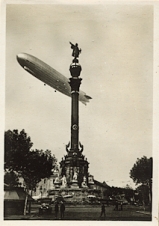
{"x":67,"y":147}
{"x":75,"y":176}
{"x":64,"y":181}
{"x":90,"y":179}
{"x":57,"y":180}
{"x":76,"y":51}
{"x":84,"y":183}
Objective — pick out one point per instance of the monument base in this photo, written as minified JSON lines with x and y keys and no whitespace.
{"x":73,"y":195}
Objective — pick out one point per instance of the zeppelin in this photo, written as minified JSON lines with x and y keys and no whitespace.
{"x":48,"y":75}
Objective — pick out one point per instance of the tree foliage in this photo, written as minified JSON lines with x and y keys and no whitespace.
{"x":33,"y":165}
{"x":142,"y":171}
{"x":38,"y":165}
{"x":17,"y":146}
{"x":11,"y":179}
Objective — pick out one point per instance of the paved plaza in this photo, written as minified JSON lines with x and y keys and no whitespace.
{"x":129,"y":213}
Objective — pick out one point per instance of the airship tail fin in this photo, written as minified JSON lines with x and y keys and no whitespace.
{"x":83,"y":102}
{"x":88,"y":97}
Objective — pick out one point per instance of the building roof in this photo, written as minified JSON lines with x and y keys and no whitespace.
{"x":104,"y":184}
{"x":16,"y":194}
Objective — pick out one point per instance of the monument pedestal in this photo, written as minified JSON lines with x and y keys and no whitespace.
{"x":91,"y":186}
{"x":57,"y":185}
{"x":74,"y":184}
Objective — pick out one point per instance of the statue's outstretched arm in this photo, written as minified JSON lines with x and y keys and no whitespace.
{"x":72,"y":45}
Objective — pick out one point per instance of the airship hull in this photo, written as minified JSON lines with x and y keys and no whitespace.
{"x":48,"y":75}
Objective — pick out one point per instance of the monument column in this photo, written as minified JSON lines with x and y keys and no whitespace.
{"x":75,"y":84}
{"x":75,"y":81}
{"x":75,"y":166}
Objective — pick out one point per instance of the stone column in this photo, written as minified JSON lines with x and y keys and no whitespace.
{"x":75,"y":81}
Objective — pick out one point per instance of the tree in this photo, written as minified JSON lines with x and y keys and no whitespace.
{"x":143,"y":192}
{"x":39,"y":165}
{"x":11,"y":179}
{"x":32,"y":165}
{"x":17,"y":146}
{"x":141,"y":173}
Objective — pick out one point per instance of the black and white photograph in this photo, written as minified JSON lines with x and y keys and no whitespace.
{"x":79,"y":101}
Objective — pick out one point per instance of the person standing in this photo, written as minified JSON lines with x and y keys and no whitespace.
{"x":62,"y":210}
{"x":121,"y":205}
{"x":102,"y":210}
{"x":56,"y":209}
{"x":116,"y":205}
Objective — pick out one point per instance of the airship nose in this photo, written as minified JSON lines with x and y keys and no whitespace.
{"x":21,"y":58}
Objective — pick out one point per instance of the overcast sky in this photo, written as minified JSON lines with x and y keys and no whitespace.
{"x":117,"y":72}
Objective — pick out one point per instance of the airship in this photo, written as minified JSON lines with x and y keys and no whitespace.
{"x":48,"y":75}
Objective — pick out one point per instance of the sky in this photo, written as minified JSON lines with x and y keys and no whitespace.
{"x":117,"y":72}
